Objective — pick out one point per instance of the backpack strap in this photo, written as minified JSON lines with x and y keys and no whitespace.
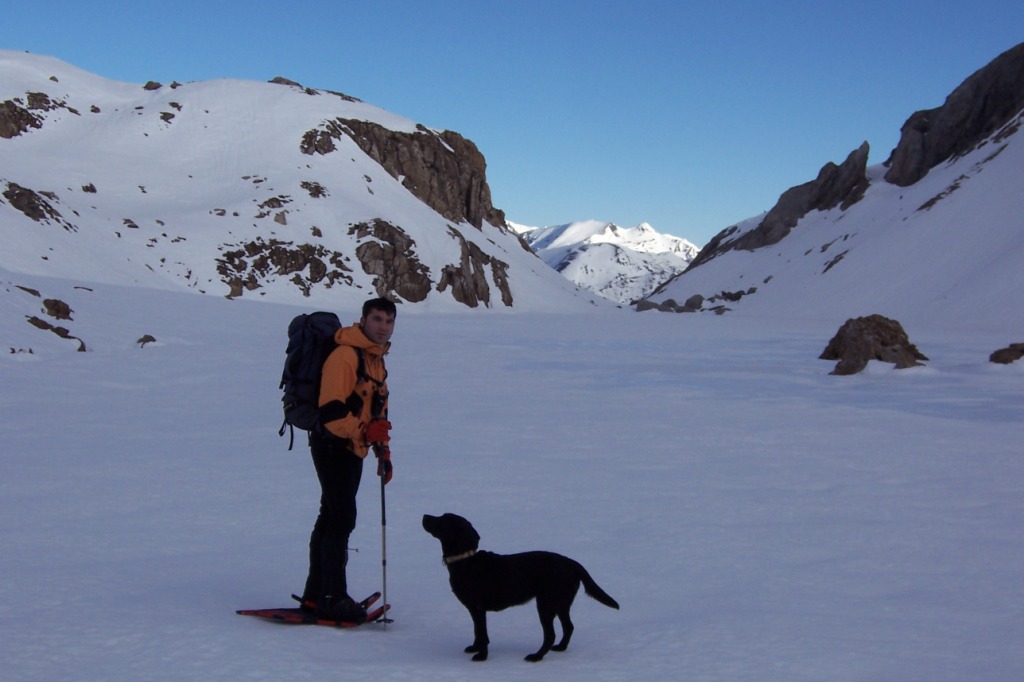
{"x":291,"y":437}
{"x":377,"y":404}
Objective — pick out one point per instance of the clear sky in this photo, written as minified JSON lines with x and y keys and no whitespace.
{"x":690,"y":116}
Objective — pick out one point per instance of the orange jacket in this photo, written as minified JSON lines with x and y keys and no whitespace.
{"x":346,"y":402}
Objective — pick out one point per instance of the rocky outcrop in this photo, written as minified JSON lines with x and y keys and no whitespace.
{"x":35,"y":205}
{"x":874,"y":337}
{"x":62,"y":332}
{"x":57,"y":309}
{"x":16,"y":115}
{"x":389,"y":254}
{"x":841,"y":186}
{"x":1005,"y":356}
{"x":982,"y":104}
{"x":243,"y":268}
{"x":468,"y":279}
{"x":16,"y":119}
{"x":442,"y":169}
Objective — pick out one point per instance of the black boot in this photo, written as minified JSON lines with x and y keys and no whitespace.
{"x":334,"y":602}
{"x":342,"y":608}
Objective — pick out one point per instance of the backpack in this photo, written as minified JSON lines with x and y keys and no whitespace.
{"x":310,"y":341}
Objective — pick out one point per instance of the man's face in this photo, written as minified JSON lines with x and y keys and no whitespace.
{"x":378,"y":326}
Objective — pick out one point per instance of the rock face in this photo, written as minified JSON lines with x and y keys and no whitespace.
{"x":468,"y":279}
{"x":874,"y":337}
{"x":977,"y":108}
{"x":443,"y":170}
{"x":840,"y":185}
{"x":391,"y":258}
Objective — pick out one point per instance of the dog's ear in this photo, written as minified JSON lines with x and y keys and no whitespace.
{"x":463,"y":533}
{"x":475,"y":543}
{"x":470,"y":539}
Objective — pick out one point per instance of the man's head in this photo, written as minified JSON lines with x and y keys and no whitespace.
{"x":378,"y":320}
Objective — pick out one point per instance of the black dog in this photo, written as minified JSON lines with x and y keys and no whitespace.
{"x":484,"y":581}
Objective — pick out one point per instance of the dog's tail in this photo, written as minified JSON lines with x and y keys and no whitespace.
{"x":594,"y":590}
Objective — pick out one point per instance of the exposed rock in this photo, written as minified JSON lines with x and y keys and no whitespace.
{"x":468,"y":279}
{"x":315,"y":189}
{"x":1004,"y":356}
{"x":874,"y":337}
{"x":34,"y":205}
{"x":143,"y":340}
{"x":389,"y":255}
{"x":982,"y":104}
{"x":57,"y":309}
{"x":243,"y":269}
{"x":15,"y":120}
{"x":694,"y":303}
{"x":62,"y":332}
{"x":841,"y":185}
{"x":321,"y":140}
{"x":443,"y":170}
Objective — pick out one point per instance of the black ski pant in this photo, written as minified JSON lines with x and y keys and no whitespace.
{"x":339,"y":471}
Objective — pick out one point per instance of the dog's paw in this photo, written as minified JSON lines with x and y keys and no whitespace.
{"x":533,"y":658}
{"x":479,"y":651}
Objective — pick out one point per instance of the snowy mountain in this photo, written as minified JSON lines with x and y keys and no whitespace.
{"x":620,"y":264}
{"x":757,"y":517}
{"x":933,"y":236}
{"x":268,"y":190}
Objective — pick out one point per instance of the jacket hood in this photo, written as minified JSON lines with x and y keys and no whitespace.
{"x":353,"y":336}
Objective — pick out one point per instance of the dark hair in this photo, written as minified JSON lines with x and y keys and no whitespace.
{"x":382,"y":304}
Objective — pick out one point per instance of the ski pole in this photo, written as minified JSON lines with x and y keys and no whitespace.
{"x":384,"y":554}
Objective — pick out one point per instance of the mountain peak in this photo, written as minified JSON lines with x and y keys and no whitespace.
{"x":620,"y":264}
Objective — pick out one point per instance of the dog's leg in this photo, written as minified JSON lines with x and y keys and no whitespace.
{"x":547,"y":622}
{"x":480,"y":641}
{"x":567,"y":628}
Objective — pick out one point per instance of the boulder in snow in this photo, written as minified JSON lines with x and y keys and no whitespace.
{"x":874,"y":337}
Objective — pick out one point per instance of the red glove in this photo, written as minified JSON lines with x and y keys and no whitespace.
{"x":377,"y":431}
{"x":384,"y":468}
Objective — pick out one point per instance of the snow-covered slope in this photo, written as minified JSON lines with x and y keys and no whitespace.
{"x":935,"y":236}
{"x":620,"y":264}
{"x":238,"y":188}
{"x":945,"y":251}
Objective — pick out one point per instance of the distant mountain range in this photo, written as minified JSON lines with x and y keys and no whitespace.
{"x":279,"y":192}
{"x":620,"y":264}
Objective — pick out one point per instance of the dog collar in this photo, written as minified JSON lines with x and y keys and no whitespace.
{"x":458,"y":557}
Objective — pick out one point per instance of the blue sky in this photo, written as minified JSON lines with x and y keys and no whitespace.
{"x":690,"y":116}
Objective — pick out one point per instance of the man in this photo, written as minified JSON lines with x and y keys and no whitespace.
{"x":353,"y":411}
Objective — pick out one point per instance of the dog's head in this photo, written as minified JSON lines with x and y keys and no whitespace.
{"x":456,"y":534}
